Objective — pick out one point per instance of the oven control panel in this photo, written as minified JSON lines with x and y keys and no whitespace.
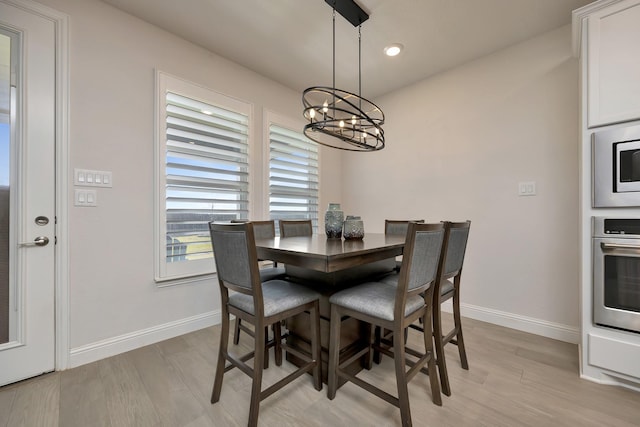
{"x":626,"y":226}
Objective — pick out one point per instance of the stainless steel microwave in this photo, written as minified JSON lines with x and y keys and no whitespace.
{"x":616,"y":167}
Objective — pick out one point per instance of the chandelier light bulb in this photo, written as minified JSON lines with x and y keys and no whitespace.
{"x":325,"y":107}
{"x":312,"y":113}
{"x":353,"y":120}
{"x":341,"y":123}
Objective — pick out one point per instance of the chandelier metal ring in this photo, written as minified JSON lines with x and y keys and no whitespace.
{"x":342,"y":120}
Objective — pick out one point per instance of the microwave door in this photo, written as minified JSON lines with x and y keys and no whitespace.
{"x":635,"y":166}
{"x":628,"y":166}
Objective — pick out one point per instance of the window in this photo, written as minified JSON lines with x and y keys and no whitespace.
{"x":293,"y":175}
{"x":203,"y":173}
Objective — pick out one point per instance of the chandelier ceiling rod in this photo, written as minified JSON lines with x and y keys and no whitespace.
{"x":350,"y":122}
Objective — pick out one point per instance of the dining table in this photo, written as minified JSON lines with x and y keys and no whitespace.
{"x":328,"y":265}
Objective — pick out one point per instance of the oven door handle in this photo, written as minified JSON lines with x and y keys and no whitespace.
{"x":620,"y":248}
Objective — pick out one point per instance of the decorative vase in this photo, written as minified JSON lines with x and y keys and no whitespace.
{"x":353,"y":228}
{"x":333,"y":219}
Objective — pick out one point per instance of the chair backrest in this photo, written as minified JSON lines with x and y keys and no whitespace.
{"x":234,"y":251}
{"x":420,"y":261}
{"x":295,"y":227}
{"x":398,"y":227}
{"x":455,"y":246}
{"x":264,"y":229}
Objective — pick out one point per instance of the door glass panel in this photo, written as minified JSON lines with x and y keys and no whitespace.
{"x":5,"y":169}
{"x":622,"y":283}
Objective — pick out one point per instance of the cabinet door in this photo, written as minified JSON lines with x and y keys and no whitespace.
{"x":614,"y":64}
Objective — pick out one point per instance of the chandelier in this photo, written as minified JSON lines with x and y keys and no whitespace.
{"x":338,"y":118}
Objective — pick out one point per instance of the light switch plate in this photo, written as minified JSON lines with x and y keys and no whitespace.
{"x":86,"y":198}
{"x":92,"y":178}
{"x":527,"y":188}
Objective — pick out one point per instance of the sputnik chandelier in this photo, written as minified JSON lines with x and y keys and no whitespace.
{"x":341,"y":119}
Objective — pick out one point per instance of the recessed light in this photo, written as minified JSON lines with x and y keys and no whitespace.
{"x":393,"y":49}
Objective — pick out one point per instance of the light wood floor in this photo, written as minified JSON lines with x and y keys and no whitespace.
{"x":515,"y":379}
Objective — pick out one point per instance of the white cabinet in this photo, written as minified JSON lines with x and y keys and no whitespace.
{"x":613,"y":64}
{"x":607,"y":43}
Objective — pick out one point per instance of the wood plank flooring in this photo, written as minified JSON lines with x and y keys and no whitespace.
{"x":515,"y":379}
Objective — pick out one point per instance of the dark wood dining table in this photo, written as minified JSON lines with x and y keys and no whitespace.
{"x":329,"y":265}
{"x":333,"y":262}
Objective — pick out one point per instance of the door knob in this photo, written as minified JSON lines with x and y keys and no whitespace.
{"x":38,"y":241}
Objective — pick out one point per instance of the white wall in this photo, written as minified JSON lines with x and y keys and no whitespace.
{"x":115,"y":304}
{"x":457,"y":146}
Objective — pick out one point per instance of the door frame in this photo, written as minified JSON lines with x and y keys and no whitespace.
{"x":61,"y":249}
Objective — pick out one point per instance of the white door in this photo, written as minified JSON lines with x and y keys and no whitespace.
{"x":27,"y":194}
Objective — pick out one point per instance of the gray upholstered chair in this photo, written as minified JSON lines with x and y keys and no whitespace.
{"x":394,"y":308}
{"x":449,"y":274}
{"x":448,"y":286}
{"x":295,"y":227}
{"x":261,"y":304}
{"x":398,"y":228}
{"x":264,"y":230}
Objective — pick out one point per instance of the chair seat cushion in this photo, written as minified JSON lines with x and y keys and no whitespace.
{"x":375,"y":299}
{"x":278,"y":295}
{"x":446,"y":286}
{"x":272,"y":273}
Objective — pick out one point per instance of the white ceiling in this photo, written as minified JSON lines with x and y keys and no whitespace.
{"x":289,"y":41}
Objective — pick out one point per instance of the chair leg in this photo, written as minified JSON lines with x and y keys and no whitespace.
{"x":431,"y":363}
{"x":315,"y":346}
{"x":266,"y":349}
{"x":377,"y":356}
{"x":254,"y":407}
{"x":236,"y":332}
{"x":459,"y":338}
{"x":371,"y":332}
{"x":277,"y":339}
{"x":222,"y":354}
{"x":401,"y":379}
{"x":334,"y":352}
{"x":439,"y":352}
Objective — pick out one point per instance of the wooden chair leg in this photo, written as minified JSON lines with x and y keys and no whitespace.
{"x":315,"y":347}
{"x":459,"y":338}
{"x":236,"y":332}
{"x":277,"y":339}
{"x":254,"y":406}
{"x":439,"y":350}
{"x":431,"y":363}
{"x":265,"y":348}
{"x":371,"y":331}
{"x":222,"y":356}
{"x":334,"y":352}
{"x":377,"y":356}
{"x":401,"y":379}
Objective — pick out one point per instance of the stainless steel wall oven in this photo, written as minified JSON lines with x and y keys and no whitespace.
{"x":616,"y":273}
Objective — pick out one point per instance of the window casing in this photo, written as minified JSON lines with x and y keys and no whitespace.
{"x":293,"y":174}
{"x":202,"y":174}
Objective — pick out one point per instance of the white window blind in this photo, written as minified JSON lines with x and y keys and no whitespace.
{"x":205,"y":176}
{"x":293,"y":175}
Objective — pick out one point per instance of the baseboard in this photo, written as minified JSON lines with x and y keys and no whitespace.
{"x":606,"y":379}
{"x":544,"y":328}
{"x":110,"y":347}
